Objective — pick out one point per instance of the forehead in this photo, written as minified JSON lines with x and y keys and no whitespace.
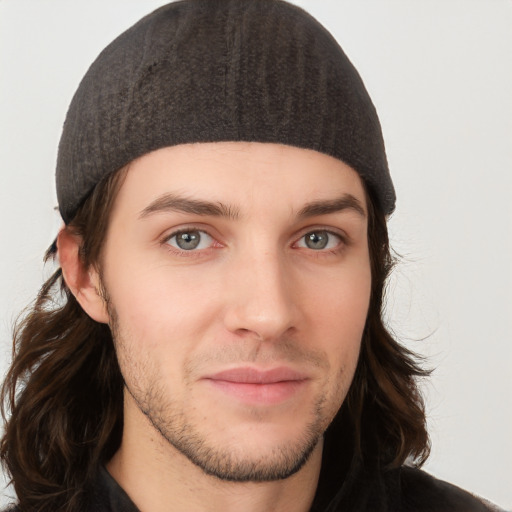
{"x":248,"y":174}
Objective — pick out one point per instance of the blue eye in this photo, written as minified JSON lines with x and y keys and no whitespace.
{"x":319,"y":240}
{"x":190,"y":240}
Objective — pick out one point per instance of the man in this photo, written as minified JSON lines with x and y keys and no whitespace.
{"x":220,"y":346}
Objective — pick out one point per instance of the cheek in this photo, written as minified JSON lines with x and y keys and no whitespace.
{"x":157,"y":308}
{"x":342,"y":303}
{"x":339,"y":317}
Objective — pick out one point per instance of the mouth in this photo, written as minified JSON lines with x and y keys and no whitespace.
{"x":252,"y":385}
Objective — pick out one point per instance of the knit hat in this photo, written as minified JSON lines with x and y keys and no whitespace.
{"x":219,"y":70}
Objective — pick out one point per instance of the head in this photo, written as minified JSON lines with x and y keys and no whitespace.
{"x":218,"y":228}
{"x":225,"y":260}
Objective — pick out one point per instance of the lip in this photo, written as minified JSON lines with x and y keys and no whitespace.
{"x":249,"y":375}
{"x":257,"y":386}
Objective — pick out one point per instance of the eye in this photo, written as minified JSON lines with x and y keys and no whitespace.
{"x":319,"y":240}
{"x":190,"y":240}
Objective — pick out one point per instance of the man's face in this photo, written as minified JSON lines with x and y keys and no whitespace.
{"x":238,"y":279}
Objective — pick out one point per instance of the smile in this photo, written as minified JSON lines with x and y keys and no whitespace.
{"x":265,"y":387}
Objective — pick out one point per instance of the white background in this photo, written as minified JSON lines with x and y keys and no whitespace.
{"x":440,"y":74}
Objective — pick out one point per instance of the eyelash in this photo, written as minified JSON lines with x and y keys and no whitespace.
{"x":343,"y":241}
{"x":184,"y":252}
{"x":323,"y":251}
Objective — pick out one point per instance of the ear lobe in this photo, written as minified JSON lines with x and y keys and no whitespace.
{"x":84,"y":283}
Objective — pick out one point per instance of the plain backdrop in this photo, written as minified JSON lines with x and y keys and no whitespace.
{"x":440,"y":74}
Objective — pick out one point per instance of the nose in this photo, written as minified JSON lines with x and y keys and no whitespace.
{"x":262,"y":300}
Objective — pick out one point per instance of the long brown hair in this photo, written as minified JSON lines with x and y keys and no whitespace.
{"x":64,"y":390}
{"x":384,"y":407}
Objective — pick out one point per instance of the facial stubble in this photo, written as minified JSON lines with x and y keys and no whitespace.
{"x":169,"y":419}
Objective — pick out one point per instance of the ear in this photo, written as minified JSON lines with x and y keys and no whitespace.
{"x":84,"y":283}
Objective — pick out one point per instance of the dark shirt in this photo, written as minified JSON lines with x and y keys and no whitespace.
{"x":400,"y":490}
{"x":345,"y":485}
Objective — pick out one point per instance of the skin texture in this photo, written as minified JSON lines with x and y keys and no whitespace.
{"x":237,"y":323}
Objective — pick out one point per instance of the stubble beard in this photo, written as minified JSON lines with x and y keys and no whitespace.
{"x":221,"y":462}
{"x":171,"y":422}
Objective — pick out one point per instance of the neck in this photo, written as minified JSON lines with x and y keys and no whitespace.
{"x":159,"y":478}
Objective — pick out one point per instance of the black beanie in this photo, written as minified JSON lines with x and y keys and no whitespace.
{"x":219,"y":70}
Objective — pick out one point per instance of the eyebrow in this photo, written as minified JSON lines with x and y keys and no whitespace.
{"x":176,"y":203}
{"x":345,"y":202}
{"x":173,"y":202}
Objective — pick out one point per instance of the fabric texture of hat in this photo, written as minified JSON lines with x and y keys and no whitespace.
{"x":219,"y":70}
